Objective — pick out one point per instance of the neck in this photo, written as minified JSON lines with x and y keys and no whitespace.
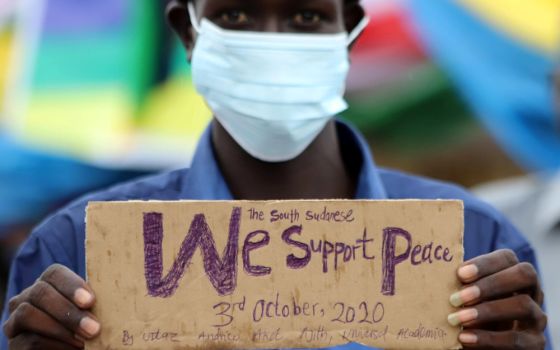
{"x":318,"y":173}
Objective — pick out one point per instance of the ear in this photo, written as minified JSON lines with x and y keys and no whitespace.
{"x":353,"y":14}
{"x":179,"y":20}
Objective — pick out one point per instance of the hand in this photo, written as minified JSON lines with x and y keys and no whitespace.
{"x":502,"y":301}
{"x":52,"y":314}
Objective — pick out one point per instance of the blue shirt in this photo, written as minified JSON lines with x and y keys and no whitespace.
{"x":60,"y":239}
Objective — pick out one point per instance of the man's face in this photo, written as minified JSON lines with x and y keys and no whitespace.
{"x":286,"y":16}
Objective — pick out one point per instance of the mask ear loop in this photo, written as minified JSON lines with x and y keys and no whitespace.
{"x":192,"y":16}
{"x":362,"y":25}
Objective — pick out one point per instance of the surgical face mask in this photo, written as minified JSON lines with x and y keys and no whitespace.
{"x":273,"y":92}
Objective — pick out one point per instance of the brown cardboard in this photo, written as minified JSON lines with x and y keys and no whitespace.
{"x":145,"y":264}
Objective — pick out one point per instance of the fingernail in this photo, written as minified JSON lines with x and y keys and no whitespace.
{"x":468,"y":273}
{"x":464,"y":296}
{"x":468,"y":338}
{"x":462,"y":316}
{"x":89,"y":326}
{"x":82,"y":296}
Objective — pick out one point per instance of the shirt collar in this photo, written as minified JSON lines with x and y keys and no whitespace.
{"x":205,"y":181}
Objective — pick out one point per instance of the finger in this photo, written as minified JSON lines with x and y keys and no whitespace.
{"x":515,"y":279}
{"x":15,"y":301}
{"x":538,"y":295}
{"x":510,"y":340}
{"x":29,"y":341}
{"x":485,"y":265}
{"x":517,"y":308}
{"x":29,"y":319}
{"x":69,"y":284}
{"x":46,"y":298}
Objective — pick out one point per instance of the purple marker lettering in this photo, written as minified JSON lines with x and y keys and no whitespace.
{"x":293,"y":261}
{"x":446,"y":256}
{"x":318,"y":248}
{"x":248,"y":246}
{"x":437,"y":253}
{"x":222,"y":273}
{"x":427,"y":253}
{"x":348,"y":253}
{"x":364,"y":241}
{"x":390,"y":260}
{"x":338,"y":250}
{"x":328,"y":248}
{"x":415,"y":252}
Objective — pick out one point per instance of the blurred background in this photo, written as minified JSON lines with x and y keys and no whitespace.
{"x":97,"y":92}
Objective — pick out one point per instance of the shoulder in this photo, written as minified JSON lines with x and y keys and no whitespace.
{"x":60,"y":238}
{"x":486,"y":229}
{"x":62,"y":234}
{"x":164,"y":186}
{"x":167,"y":185}
{"x":401,"y":185}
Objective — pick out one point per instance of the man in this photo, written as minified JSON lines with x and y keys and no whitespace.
{"x":273,"y":72}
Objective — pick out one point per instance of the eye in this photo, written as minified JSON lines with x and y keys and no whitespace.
{"x":307,"y":18}
{"x":234,"y":17}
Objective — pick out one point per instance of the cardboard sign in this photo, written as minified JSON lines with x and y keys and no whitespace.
{"x":287,"y":274}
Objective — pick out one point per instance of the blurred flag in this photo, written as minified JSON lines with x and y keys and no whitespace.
{"x":91,"y":85}
{"x":501,"y":55}
{"x":395,"y":91}
{"x":390,"y":71}
{"x":7,"y":9}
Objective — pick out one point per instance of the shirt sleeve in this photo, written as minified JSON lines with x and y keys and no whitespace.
{"x":509,"y":237}
{"x":39,"y":252}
